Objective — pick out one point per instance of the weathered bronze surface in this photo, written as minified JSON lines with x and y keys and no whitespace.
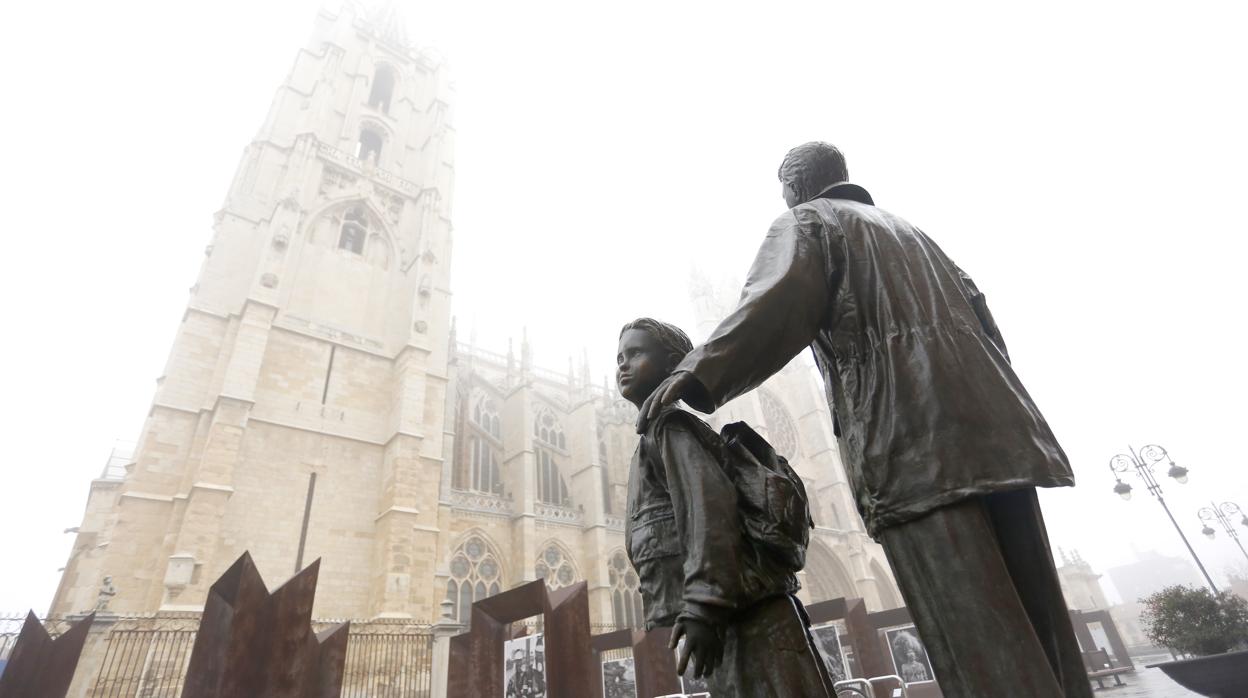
{"x":929,"y":412}
{"x":717,"y":527}
{"x":476,"y":657}
{"x":41,"y":666}
{"x":253,"y":643}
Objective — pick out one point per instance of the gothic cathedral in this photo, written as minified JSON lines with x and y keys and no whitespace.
{"x":317,"y":404}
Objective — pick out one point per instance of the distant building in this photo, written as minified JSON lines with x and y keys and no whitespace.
{"x":1239,"y":585}
{"x":1152,"y":572}
{"x":1127,"y":617}
{"x":1080,"y":585}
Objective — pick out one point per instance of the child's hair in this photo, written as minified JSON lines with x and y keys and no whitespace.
{"x":670,"y":337}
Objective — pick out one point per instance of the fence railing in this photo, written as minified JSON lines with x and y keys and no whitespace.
{"x":147,"y":656}
{"x":390,"y":663}
{"x":144,"y":663}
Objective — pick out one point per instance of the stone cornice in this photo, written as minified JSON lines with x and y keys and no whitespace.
{"x":411,"y":511}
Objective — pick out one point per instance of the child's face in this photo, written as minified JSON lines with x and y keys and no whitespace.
{"x":640,"y":365}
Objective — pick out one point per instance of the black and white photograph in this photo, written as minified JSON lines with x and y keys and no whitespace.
{"x":618,"y":679}
{"x":909,"y":656}
{"x":828,"y":641}
{"x":524,"y":667}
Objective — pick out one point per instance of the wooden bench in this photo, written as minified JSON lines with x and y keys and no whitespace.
{"x":1100,"y":668}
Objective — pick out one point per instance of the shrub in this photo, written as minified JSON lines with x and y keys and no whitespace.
{"x":1194,"y":621}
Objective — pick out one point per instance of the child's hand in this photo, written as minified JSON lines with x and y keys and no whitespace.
{"x":702,"y":644}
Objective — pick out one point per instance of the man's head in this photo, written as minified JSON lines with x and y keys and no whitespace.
{"x":649,"y":351}
{"x":809,"y":169}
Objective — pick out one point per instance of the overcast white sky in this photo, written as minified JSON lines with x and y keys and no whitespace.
{"x":1084,"y":161}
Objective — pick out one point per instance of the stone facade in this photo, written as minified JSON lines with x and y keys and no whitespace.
{"x":1080,"y":584}
{"x":316,"y":403}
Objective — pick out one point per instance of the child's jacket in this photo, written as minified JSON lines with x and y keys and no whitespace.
{"x":683,"y":530}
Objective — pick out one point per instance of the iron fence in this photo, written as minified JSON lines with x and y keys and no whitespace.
{"x":388,"y":663}
{"x":145,"y":663}
{"x":147,"y":656}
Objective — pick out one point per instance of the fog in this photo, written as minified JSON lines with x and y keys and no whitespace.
{"x":1083,"y":161}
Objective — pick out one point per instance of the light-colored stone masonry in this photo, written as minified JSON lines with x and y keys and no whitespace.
{"x":318,"y":342}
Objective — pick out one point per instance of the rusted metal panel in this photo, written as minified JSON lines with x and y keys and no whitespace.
{"x":253,"y":643}
{"x":476,"y":657}
{"x":41,"y":666}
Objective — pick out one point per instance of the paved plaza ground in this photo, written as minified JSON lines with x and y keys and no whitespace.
{"x":1146,"y":683}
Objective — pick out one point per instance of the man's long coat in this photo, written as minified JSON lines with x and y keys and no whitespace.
{"x":927,"y":406}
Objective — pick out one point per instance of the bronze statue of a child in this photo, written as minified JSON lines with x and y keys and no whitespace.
{"x":700,"y":573}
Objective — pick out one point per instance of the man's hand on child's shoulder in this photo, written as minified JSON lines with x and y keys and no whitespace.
{"x":673,"y":388}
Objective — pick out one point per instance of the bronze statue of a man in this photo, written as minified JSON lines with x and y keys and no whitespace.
{"x":941,"y":443}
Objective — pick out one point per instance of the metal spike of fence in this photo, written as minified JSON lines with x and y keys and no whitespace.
{"x":40,"y":665}
{"x":253,"y":643}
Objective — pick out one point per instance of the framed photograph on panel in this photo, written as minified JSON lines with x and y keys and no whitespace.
{"x":828,"y":642}
{"x":909,"y":656}
{"x":618,"y":679}
{"x":524,"y":667}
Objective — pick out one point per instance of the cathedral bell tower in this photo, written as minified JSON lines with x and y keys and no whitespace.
{"x":301,"y":412}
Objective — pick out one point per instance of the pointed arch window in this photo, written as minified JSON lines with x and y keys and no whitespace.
{"x":368,"y":150}
{"x":354,"y":230}
{"x":485,"y":416}
{"x":547,"y":430}
{"x":551,"y":488}
{"x":555,"y":568}
{"x":625,"y":596}
{"x":780,"y":428}
{"x":475,"y":575}
{"x":483,"y":452}
{"x":548,"y":435}
{"x":382,"y":90}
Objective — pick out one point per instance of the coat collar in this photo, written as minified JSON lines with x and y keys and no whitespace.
{"x":845,"y":190}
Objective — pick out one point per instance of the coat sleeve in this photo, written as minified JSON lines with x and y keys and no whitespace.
{"x":783,"y":304}
{"x":704,"y":501}
{"x":980,"y":303}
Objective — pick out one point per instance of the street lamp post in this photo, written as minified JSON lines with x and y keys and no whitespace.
{"x":1222,"y":513}
{"x":1143,"y":463}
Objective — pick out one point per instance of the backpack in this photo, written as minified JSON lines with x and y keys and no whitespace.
{"x":775,"y":511}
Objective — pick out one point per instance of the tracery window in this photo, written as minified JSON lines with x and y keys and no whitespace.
{"x":485,"y":415}
{"x":548,"y":434}
{"x":548,"y":430}
{"x":551,"y":489}
{"x":483,"y":446}
{"x":486,"y":476}
{"x":780,"y":428}
{"x":475,"y":575}
{"x":625,"y":598}
{"x":354,"y":230}
{"x":369,"y":147}
{"x":382,"y":89}
{"x":554,"y":568}
{"x":605,"y":478}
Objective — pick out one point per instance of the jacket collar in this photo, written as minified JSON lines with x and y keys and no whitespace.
{"x":845,"y":190}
